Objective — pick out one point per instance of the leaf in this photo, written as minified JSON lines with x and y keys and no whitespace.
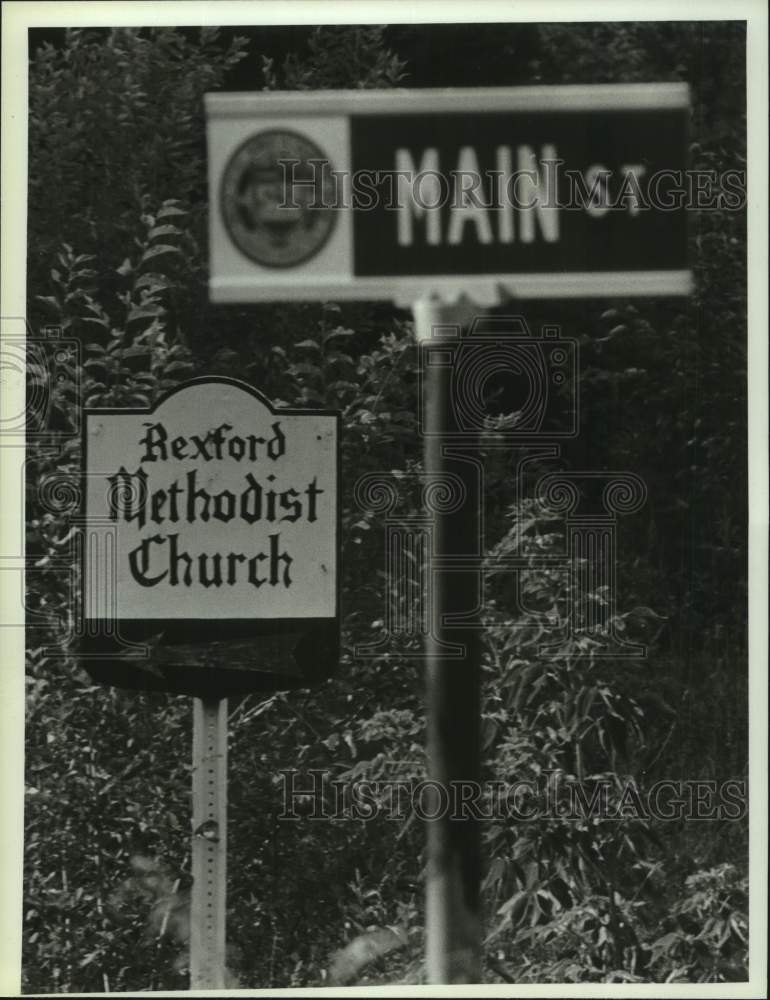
{"x":341,"y":384}
{"x":521,"y":689}
{"x":585,"y":701}
{"x":304,"y":369}
{"x":664,"y":944}
{"x":515,"y":905}
{"x":144,"y":312}
{"x":158,"y":231}
{"x":170,"y":211}
{"x":339,"y":357}
{"x":152,"y":281}
{"x":51,"y":301}
{"x":337,"y":332}
{"x":489,"y":733}
{"x":532,"y":873}
{"x":158,"y":250}
{"x":495,"y":873}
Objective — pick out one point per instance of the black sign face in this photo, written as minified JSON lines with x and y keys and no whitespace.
{"x":519,"y":193}
{"x":544,"y":191}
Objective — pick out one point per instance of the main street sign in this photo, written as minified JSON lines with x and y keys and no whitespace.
{"x":209,"y":520}
{"x":547,"y":191}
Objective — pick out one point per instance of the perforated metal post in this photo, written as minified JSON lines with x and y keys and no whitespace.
{"x":209,"y":844}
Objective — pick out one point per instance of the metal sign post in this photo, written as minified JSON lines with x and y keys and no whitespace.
{"x":209,"y":844}
{"x":453,"y":679}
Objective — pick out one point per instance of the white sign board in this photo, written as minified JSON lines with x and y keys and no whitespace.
{"x":213,"y":506}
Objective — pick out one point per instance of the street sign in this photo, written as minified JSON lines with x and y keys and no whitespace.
{"x":445,"y":201}
{"x":548,"y":191}
{"x":210,"y":519}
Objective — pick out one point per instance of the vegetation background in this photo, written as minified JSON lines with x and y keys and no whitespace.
{"x":118,"y":260}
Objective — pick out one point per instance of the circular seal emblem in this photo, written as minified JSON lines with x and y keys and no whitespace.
{"x":278,"y":198}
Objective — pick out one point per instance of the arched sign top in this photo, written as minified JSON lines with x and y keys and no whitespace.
{"x":209,"y":381}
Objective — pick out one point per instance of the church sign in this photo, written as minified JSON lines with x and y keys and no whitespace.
{"x":210,"y":519}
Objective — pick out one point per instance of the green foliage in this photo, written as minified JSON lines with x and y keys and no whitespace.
{"x":117,"y":261}
{"x":338,"y":57}
{"x":114,"y":118}
{"x":708,"y":942}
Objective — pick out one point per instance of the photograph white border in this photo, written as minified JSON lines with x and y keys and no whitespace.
{"x":17,"y":18}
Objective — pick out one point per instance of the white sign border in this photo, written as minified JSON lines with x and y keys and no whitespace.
{"x":257,"y":624}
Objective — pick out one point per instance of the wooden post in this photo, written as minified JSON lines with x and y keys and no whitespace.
{"x":209,"y":844}
{"x":453,"y":926}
